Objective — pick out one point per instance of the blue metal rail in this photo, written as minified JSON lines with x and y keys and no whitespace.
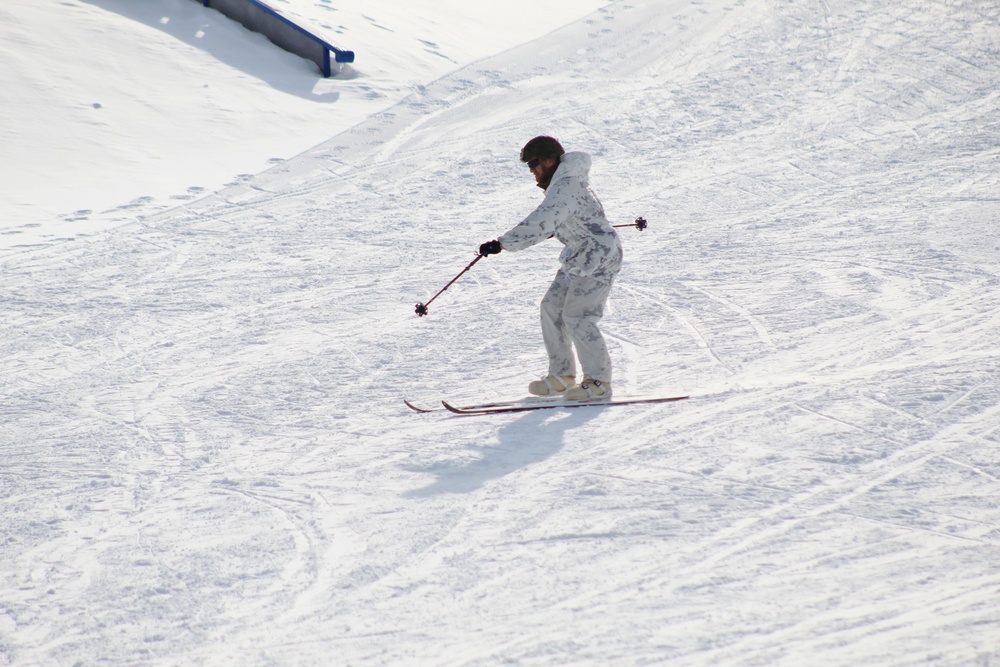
{"x":285,"y":33}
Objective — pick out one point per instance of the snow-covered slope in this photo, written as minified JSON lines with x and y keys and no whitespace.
{"x":116,"y":109}
{"x":206,"y":459}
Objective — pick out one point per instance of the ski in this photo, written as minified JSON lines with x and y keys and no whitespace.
{"x":483,"y":406}
{"x":471,"y":410}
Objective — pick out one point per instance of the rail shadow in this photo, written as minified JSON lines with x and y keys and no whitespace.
{"x":228,"y":41}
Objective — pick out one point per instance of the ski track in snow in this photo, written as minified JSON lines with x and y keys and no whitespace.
{"x":206,"y":459}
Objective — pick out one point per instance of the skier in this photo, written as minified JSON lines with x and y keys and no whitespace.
{"x":574,"y":303}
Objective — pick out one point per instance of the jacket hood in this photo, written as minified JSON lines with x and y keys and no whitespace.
{"x":575,"y":164}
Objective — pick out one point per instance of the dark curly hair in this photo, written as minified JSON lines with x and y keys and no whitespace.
{"x":542,"y":148}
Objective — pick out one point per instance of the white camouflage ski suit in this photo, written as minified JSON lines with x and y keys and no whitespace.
{"x":590,"y":261}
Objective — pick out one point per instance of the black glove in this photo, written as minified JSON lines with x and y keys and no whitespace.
{"x":490,"y":248}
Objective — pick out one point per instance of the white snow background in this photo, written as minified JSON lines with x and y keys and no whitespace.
{"x":204,"y":455}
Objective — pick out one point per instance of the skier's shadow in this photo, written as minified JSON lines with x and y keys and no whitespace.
{"x":533,"y":438}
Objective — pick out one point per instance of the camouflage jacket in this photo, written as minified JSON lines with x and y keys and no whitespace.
{"x":572,"y":213}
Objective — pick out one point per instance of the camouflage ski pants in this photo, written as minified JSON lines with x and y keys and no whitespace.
{"x":570,"y":311}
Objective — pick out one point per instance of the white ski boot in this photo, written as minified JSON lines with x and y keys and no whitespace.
{"x":550,"y":385}
{"x":589,"y":390}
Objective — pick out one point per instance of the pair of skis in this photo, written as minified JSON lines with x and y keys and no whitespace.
{"x":528,"y":405}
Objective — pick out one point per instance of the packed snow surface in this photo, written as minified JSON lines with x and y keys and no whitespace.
{"x":205,"y":457}
{"x":114,"y":109}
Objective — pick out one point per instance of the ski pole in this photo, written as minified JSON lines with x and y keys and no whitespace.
{"x":422,"y":307}
{"x":640,"y":224}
